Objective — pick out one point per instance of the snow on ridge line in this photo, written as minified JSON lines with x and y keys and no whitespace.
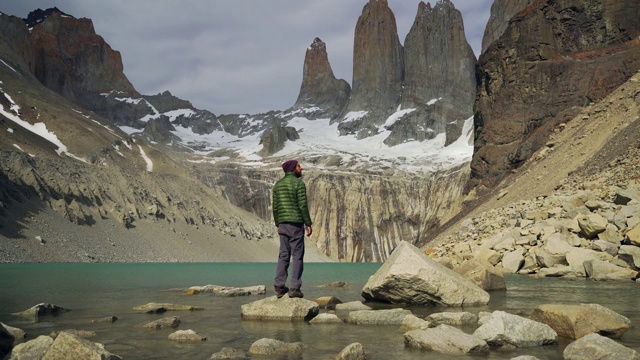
{"x":397,"y":116}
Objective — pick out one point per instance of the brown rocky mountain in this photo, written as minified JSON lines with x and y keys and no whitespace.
{"x":320,"y":89}
{"x":439,"y":80}
{"x":433,"y":74}
{"x":553,"y":59}
{"x":377,"y":70}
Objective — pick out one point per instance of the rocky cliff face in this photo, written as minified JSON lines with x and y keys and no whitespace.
{"x":357,"y":216}
{"x":439,"y":76}
{"x":78,"y":72}
{"x":501,"y":12}
{"x":320,"y":92}
{"x":15,"y":44}
{"x":439,"y":63}
{"x":432,"y":77}
{"x":554,"y":58}
{"x":377,"y":70}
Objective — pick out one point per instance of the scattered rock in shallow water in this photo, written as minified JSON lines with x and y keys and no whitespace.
{"x":501,"y":329}
{"x":378,"y":317}
{"x":353,"y":351}
{"x":283,"y":309}
{"x":163,"y":323}
{"x":228,"y":291}
{"x":352,"y":306}
{"x":412,"y":322}
{"x":576,"y":321}
{"x":106,"y":319}
{"x":483,"y":274}
{"x":335,"y":284}
{"x":272,"y":347}
{"x":326,"y":319}
{"x":186,"y":336}
{"x":453,"y":318}
{"x":79,"y":333}
{"x":445,"y":339}
{"x":327,"y":302}
{"x":596,"y":347}
{"x":41,"y":310}
{"x":229,"y":354}
{"x":159,"y":308}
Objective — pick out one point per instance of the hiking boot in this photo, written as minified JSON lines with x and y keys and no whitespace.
{"x":281,"y":290}
{"x":295,"y":293}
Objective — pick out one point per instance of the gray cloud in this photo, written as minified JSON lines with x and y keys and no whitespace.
{"x":231,"y":56}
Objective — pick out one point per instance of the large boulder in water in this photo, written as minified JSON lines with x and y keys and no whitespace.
{"x":576,"y":321}
{"x":410,"y":277}
{"x":594,"y":346}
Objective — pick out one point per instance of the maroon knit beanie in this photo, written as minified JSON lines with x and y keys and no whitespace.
{"x":289,"y":166}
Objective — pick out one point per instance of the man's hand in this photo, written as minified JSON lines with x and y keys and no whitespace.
{"x":309,"y":230}
{"x":278,"y":230}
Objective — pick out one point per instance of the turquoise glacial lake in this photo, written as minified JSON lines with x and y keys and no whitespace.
{"x":93,"y":291}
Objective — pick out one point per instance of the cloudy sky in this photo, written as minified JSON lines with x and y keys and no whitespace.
{"x":234,"y":56}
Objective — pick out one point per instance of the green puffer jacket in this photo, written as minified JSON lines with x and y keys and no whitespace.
{"x":289,"y":201}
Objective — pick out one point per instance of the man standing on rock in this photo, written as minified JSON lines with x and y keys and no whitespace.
{"x":291,"y":214}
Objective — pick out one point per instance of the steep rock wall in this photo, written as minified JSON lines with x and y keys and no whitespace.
{"x":358,"y":217}
{"x":320,"y":89}
{"x":501,"y":12}
{"x":554,"y":58}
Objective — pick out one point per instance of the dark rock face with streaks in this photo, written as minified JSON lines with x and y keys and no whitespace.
{"x":439,"y":76}
{"x":554,"y":58}
{"x":377,"y":71}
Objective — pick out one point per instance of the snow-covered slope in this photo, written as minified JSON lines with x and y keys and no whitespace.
{"x":320,"y":138}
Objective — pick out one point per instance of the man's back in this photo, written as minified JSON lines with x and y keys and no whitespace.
{"x":290,"y":201}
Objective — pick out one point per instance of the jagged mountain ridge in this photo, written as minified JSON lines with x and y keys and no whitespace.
{"x":115,"y":98}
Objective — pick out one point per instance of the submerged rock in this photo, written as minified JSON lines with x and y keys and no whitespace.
{"x":229,"y":353}
{"x":353,"y":351}
{"x":187,"y":335}
{"x":271,"y":347}
{"x":42,"y":309}
{"x":159,"y":308}
{"x":163,"y":323}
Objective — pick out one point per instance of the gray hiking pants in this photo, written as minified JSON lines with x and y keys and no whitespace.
{"x":291,"y":251}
